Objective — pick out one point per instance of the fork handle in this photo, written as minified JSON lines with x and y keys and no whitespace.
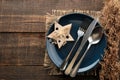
{"x":64,"y":64}
{"x":69,"y":68}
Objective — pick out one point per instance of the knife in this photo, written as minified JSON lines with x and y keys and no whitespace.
{"x":84,"y":40}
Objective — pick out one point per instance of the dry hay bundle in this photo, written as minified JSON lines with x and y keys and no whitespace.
{"x":111,"y":22}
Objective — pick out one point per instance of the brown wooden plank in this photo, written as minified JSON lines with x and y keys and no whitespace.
{"x":18,"y":50}
{"x":40,"y":7}
{"x":34,"y":73}
{"x":24,"y":15}
{"x":22,"y":23}
{"x":22,"y":48}
{"x":22,"y":73}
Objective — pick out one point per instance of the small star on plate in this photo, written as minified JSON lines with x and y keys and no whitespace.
{"x":61,"y":34}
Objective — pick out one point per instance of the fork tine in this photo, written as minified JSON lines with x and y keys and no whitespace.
{"x":80,"y":28}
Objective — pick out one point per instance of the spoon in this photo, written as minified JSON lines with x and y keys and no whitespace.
{"x":93,"y":39}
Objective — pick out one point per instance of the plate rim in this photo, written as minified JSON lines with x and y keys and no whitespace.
{"x":80,"y":69}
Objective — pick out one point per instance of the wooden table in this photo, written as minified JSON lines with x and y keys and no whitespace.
{"x":22,"y":36}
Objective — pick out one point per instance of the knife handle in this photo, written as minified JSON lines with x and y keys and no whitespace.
{"x":69,"y":68}
{"x":75,"y":69}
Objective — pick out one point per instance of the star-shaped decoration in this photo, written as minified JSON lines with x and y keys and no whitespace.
{"x":61,"y":34}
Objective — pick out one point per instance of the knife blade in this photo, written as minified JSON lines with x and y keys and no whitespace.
{"x":84,"y":40}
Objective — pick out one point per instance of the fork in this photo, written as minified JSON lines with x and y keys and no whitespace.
{"x":80,"y":33}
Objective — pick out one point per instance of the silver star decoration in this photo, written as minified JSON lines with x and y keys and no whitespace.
{"x":61,"y":34}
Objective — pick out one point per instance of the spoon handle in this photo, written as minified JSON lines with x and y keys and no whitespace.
{"x":64,"y":64}
{"x":75,"y":69}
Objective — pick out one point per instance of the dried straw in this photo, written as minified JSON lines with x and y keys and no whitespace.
{"x":111,"y":22}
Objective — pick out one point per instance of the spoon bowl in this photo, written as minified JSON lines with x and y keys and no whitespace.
{"x":96,"y":35}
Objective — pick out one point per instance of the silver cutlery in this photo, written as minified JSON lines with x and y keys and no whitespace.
{"x":93,"y":39}
{"x":84,"y":40}
{"x":80,"y":33}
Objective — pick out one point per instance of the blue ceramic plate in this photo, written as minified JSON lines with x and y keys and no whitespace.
{"x":94,"y":54}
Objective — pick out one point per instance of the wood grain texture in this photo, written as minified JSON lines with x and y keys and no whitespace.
{"x":34,"y":73}
{"x":41,"y":7}
{"x":22,"y":23}
{"x":22,"y":48}
{"x":25,"y":15}
{"x":22,"y":37}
